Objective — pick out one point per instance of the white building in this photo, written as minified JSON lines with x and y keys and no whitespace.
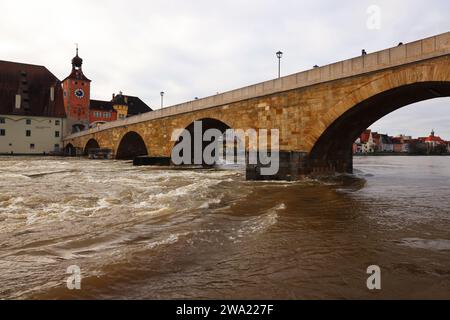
{"x":30,"y":135}
{"x":386,"y":144}
{"x":32,"y":115}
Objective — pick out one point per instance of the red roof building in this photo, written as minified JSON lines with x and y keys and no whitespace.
{"x":434,"y":140}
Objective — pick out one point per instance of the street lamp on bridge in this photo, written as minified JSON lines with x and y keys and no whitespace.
{"x":162,"y":99}
{"x":279,"y":56}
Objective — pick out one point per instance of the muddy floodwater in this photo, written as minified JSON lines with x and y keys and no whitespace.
{"x":148,"y":233}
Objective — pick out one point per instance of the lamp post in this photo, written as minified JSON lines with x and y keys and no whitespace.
{"x":279,"y":56}
{"x":162,"y":99}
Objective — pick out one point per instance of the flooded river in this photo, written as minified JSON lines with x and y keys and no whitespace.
{"x":146,"y":233}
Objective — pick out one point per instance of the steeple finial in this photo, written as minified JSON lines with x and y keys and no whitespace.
{"x":77,"y":61}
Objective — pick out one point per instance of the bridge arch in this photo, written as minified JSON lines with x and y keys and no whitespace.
{"x":91,"y":144}
{"x":206,"y":124}
{"x":333,"y":149}
{"x":70,"y":150}
{"x":131,"y":145}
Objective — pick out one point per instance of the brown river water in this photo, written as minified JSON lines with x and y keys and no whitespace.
{"x":149,"y":233}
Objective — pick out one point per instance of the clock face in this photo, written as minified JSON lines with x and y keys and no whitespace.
{"x":79,"y":93}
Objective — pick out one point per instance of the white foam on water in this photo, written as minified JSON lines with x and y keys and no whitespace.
{"x":427,"y":244}
{"x":260,"y":223}
{"x":171,"y":239}
{"x":207,"y":204}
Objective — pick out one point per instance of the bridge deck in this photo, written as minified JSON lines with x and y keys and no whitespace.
{"x":432,"y":47}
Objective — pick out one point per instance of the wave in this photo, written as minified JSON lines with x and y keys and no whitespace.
{"x":436,"y":245}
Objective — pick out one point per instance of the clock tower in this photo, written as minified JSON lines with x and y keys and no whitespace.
{"x":77,"y":97}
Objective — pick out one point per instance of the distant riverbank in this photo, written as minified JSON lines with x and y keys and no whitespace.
{"x":398,"y":155}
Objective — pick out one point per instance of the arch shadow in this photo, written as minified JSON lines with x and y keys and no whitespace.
{"x":206,"y":124}
{"x":131,"y":146}
{"x":70,"y":150}
{"x":90,"y":145}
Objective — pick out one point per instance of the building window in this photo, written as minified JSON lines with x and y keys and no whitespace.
{"x":2,"y":120}
{"x":57,"y":122}
{"x":28,"y":121}
{"x":28,"y":133}
{"x":105,"y":115}
{"x":18,"y":101}
{"x":32,"y":146}
{"x":2,"y":132}
{"x":56,"y":147}
{"x":56,"y":134}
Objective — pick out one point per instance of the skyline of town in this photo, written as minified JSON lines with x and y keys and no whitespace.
{"x":372,"y":142}
{"x":407,"y":134}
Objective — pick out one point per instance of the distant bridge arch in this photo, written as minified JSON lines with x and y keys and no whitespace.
{"x":70,"y":150}
{"x":91,"y":144}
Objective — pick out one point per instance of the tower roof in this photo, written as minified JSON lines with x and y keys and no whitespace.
{"x":77,"y":72}
{"x":135,"y":105}
{"x":77,"y":75}
{"x":77,"y":62}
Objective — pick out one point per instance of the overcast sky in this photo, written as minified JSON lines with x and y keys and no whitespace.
{"x":197,"y":48}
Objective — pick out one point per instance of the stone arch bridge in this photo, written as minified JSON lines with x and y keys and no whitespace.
{"x":319,"y":113}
